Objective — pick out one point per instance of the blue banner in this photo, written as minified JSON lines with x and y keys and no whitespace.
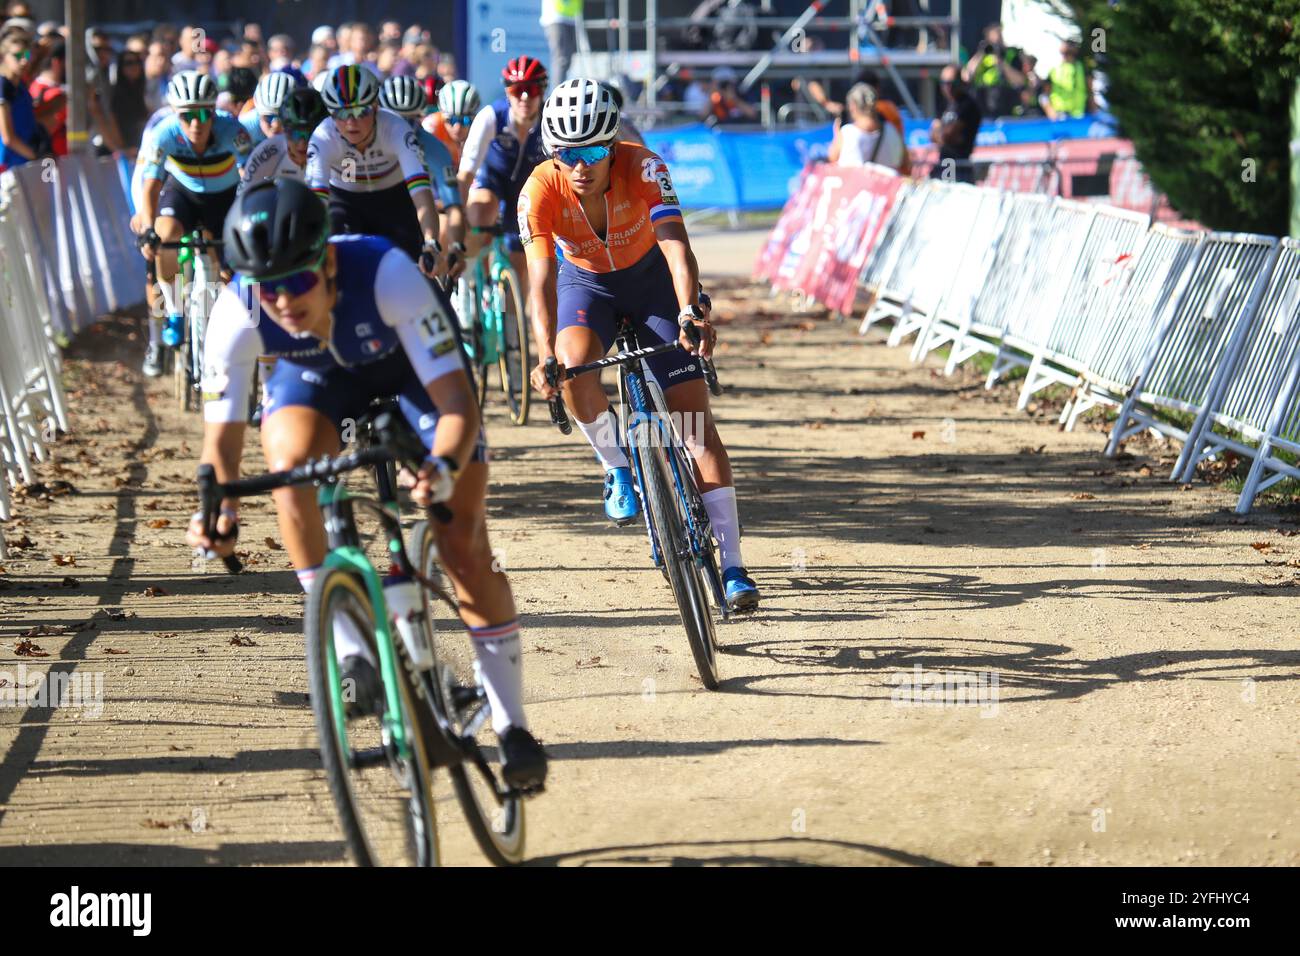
{"x":757,"y":169}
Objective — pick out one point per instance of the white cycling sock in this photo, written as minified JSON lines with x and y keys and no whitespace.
{"x":720,"y":503}
{"x":155,"y":331}
{"x":501,"y":667}
{"x":348,"y":641}
{"x":603,"y":436}
{"x":168,"y":290}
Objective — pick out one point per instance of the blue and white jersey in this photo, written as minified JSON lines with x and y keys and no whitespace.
{"x":437,"y":160}
{"x":384,"y":304}
{"x":168,"y":150}
{"x":492,"y":140}
{"x":252,"y":122}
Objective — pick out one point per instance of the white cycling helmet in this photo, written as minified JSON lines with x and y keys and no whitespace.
{"x":270,"y":93}
{"x":320,"y":79}
{"x":578,"y":113}
{"x":349,"y":86}
{"x":402,"y":95}
{"x":459,"y":98}
{"x":191,"y":88}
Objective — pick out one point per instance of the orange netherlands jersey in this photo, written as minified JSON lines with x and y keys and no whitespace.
{"x":435,"y":124}
{"x":640,"y":196}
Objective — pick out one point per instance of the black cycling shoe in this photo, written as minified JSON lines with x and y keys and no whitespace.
{"x":523,"y":761}
{"x":363,"y":691}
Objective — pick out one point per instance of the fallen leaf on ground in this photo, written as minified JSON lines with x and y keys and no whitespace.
{"x":1082,"y":496}
{"x":240,"y":640}
{"x":918,"y":435}
{"x":272,"y":544}
{"x":154,"y":591}
{"x":159,"y":522}
{"x":115,"y":650}
{"x":28,"y":649}
{"x":1261,"y":545}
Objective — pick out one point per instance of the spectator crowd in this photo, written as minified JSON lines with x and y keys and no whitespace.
{"x":127,"y":75}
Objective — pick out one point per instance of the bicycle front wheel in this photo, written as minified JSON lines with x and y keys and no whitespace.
{"x":513,"y":351}
{"x":496,"y":821}
{"x":384,"y":799}
{"x":665,"y":510}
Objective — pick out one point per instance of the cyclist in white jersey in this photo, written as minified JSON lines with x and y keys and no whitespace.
{"x":284,"y":155}
{"x":366,"y":163}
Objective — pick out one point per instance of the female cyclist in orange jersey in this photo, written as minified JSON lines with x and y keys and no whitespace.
{"x":610,"y":206}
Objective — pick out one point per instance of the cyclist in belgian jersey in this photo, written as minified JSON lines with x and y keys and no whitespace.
{"x":284,"y":155}
{"x":407,"y":98}
{"x":352,"y":319}
{"x":198,"y":151}
{"x":458,"y":104}
{"x":610,"y":206}
{"x":366,"y":162}
{"x":504,"y":144}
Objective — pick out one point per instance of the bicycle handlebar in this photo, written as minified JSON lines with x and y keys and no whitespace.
{"x":396,"y":444}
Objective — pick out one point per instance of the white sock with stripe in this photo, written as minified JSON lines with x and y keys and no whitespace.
{"x":501,"y":667}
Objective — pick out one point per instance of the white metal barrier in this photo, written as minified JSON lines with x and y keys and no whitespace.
{"x":1058,"y":336}
{"x":1187,"y":363}
{"x":65,"y":260}
{"x":1151,"y":294}
{"x":1255,"y":403}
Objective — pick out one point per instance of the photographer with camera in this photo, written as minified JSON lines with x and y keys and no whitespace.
{"x":995,"y":73}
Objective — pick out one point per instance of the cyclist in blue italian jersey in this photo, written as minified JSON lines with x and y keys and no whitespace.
{"x":407,"y":98}
{"x":198,"y":153}
{"x":351,"y":319}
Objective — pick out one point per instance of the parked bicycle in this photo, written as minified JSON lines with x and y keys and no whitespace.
{"x":432,"y":712}
{"x":677,"y":523}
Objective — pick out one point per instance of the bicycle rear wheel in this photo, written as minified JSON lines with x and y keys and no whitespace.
{"x":497,"y":823}
{"x":513,"y":347}
{"x":665,"y":510}
{"x":384,"y":802}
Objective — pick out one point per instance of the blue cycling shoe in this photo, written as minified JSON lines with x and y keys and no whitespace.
{"x":171,"y":333}
{"x":620,"y":496}
{"x":742,"y":592}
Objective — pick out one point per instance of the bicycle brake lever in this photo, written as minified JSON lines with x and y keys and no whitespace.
{"x":558,"y":415}
{"x":210,"y":506}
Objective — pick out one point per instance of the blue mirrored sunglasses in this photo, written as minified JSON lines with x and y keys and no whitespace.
{"x":589,"y":155}
{"x":458,"y":120}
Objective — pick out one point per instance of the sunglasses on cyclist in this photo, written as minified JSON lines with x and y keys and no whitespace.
{"x":457,"y":120}
{"x":532,"y":90}
{"x":22,"y":56}
{"x":353,"y":112}
{"x":587,"y":155}
{"x":292,"y":285}
{"x":202,"y":115}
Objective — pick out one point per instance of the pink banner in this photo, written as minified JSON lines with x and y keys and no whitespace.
{"x":826,"y":232}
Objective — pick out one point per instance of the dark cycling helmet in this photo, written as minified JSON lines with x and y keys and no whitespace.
{"x":275,"y":227}
{"x":241,"y":83}
{"x":613,"y":91}
{"x":524,"y":69}
{"x":302,"y":109}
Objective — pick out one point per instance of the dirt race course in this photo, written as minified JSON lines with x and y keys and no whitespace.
{"x":1133,"y":642}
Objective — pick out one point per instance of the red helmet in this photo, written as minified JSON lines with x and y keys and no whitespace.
{"x":432,"y":85}
{"x":524,"y":69}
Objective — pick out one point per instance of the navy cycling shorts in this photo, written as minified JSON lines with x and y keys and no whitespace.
{"x":501,"y":185}
{"x":644,"y":291}
{"x":341,"y":393}
{"x":192,"y":210}
{"x":386,"y":212}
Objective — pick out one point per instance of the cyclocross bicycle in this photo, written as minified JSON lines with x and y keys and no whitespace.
{"x":380,"y":765}
{"x":197,"y":270}
{"x":681,"y":540}
{"x":497,"y":328}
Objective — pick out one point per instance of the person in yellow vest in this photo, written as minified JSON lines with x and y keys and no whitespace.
{"x":994,"y":74}
{"x":1067,"y":91}
{"x":560,"y":21}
